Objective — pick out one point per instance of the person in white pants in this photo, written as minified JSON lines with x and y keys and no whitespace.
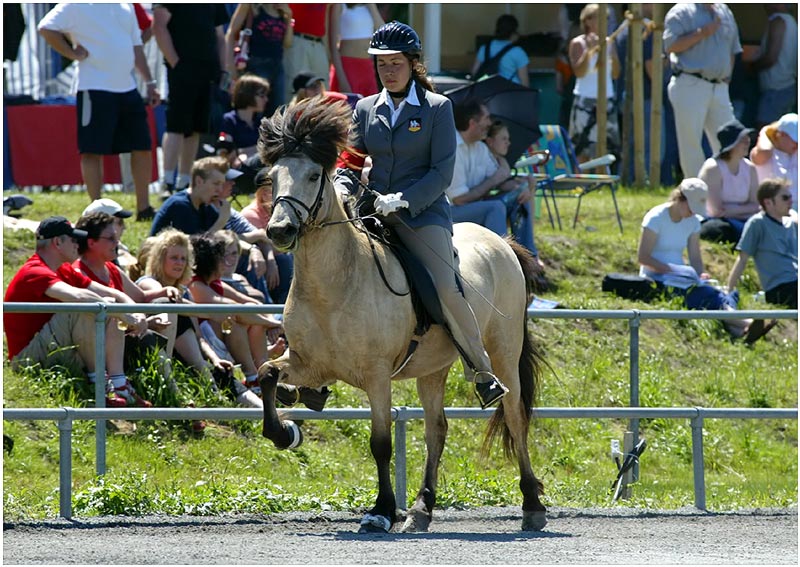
{"x":702,"y":41}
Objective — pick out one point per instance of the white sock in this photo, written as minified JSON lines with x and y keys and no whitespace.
{"x":169,"y":177}
{"x":183,"y":181}
{"x":119,"y":380}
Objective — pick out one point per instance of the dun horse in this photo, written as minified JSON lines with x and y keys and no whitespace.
{"x":342,"y":323}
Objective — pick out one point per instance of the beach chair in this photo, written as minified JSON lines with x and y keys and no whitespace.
{"x":564,"y":177}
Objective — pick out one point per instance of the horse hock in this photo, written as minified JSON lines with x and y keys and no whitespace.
{"x":283,"y":434}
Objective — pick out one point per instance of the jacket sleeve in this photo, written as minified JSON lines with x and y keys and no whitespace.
{"x":432,"y":185}
{"x":352,"y":158}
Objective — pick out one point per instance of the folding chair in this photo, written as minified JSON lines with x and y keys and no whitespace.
{"x":527,"y":166}
{"x":566,"y":178}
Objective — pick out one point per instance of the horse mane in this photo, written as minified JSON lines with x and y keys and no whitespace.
{"x":313,"y":127}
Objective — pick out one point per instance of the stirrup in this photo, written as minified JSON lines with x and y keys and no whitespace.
{"x":490,"y":392}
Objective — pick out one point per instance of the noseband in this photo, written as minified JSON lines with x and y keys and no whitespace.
{"x":312,"y":211}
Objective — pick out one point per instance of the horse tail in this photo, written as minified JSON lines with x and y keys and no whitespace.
{"x":531,"y":362}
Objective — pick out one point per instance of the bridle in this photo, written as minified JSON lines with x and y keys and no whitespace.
{"x":293,"y":203}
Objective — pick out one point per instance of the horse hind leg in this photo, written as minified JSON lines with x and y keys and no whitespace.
{"x":512,"y":421}
{"x":431,"y":393}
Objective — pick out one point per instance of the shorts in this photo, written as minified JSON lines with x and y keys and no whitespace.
{"x":112,"y":123}
{"x":55,"y":343}
{"x":189,"y":105}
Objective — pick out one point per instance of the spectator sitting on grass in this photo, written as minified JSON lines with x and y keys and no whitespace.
{"x":670,"y":229}
{"x":770,"y":237}
{"x":66,"y":339}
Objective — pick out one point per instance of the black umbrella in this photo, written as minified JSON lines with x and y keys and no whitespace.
{"x":517,"y":106}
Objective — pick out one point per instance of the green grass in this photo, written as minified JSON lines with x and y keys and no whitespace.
{"x":160,"y":467}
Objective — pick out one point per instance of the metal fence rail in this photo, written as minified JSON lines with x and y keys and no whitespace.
{"x":401,"y":415}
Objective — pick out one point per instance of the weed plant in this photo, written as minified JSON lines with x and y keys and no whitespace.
{"x":162,"y":467}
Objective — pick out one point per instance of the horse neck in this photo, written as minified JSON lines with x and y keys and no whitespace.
{"x":330,"y":257}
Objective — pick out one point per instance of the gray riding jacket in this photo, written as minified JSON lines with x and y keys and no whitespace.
{"x":416,"y":156}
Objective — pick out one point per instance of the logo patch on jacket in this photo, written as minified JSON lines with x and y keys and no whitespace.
{"x":414,"y":125}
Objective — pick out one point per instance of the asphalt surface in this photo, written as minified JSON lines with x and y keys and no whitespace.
{"x":480,"y":536}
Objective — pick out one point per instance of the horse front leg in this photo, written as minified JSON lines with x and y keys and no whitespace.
{"x":283,"y":434}
{"x":431,"y":394}
{"x":383,"y":515}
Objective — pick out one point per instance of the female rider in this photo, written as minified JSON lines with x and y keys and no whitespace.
{"x":409,"y":133}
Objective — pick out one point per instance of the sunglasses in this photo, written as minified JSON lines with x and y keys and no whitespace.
{"x":784,"y":197}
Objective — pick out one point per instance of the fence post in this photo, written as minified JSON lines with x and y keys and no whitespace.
{"x":698,"y":464}
{"x":100,"y":386}
{"x":400,"y":458}
{"x":633,"y":325}
{"x":65,"y":465}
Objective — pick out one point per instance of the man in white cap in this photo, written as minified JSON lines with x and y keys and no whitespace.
{"x":111,"y":207}
{"x":775,"y":153}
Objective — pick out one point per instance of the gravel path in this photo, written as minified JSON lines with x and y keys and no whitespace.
{"x":480,"y":536}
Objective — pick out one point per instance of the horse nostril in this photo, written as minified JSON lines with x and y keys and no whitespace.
{"x":281,"y":233}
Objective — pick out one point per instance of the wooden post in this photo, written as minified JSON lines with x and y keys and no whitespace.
{"x":635,"y":53}
{"x":602,"y":88}
{"x":625,"y":169}
{"x":656,"y":92}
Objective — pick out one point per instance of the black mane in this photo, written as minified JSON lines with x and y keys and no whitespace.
{"x":313,"y":127}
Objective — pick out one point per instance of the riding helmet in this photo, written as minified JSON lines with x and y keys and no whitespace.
{"x":395,"y":37}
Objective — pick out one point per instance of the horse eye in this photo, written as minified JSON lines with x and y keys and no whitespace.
{"x":315,"y":177}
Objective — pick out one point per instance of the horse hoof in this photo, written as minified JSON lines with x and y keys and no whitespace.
{"x":294,"y":433}
{"x":372,"y":524}
{"x":416,"y":523}
{"x":533,"y":521}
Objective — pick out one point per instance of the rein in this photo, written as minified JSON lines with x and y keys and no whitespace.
{"x":311,"y":223}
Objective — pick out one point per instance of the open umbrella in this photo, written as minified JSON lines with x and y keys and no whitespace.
{"x":517,"y":106}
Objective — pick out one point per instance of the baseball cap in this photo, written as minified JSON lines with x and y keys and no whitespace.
{"x":696,"y":192}
{"x":788,"y":125}
{"x":58,"y":226}
{"x":261,"y":178}
{"x":233,"y":174}
{"x":305,"y":79}
{"x":108,"y":206}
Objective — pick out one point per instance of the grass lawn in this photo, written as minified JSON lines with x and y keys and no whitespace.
{"x":162,"y":468}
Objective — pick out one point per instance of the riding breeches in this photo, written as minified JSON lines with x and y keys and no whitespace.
{"x":433,"y":246}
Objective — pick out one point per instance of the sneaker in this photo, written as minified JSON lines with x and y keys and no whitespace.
{"x":131,"y":397}
{"x":314,"y":399}
{"x":114,"y":400}
{"x":146,"y":214}
{"x":490,"y":392}
{"x":249,"y":400}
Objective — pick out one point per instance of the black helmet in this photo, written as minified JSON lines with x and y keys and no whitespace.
{"x":395,"y":37}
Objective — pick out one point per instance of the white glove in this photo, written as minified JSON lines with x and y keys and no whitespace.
{"x":389,"y":203}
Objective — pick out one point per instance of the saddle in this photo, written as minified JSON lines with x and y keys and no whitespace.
{"x":424,"y":299}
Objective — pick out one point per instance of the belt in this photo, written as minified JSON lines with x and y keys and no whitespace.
{"x":699,"y":76}
{"x":308,"y":37}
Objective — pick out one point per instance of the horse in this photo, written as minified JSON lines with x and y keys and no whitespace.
{"x":339,"y":303}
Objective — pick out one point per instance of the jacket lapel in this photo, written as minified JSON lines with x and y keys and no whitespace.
{"x":410,"y":111}
{"x":381,"y":112}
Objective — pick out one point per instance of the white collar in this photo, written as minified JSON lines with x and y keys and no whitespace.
{"x":411,"y":98}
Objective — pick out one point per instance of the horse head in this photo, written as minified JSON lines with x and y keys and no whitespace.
{"x":302,"y":143}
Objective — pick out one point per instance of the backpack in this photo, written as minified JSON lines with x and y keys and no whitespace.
{"x":491,"y":65}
